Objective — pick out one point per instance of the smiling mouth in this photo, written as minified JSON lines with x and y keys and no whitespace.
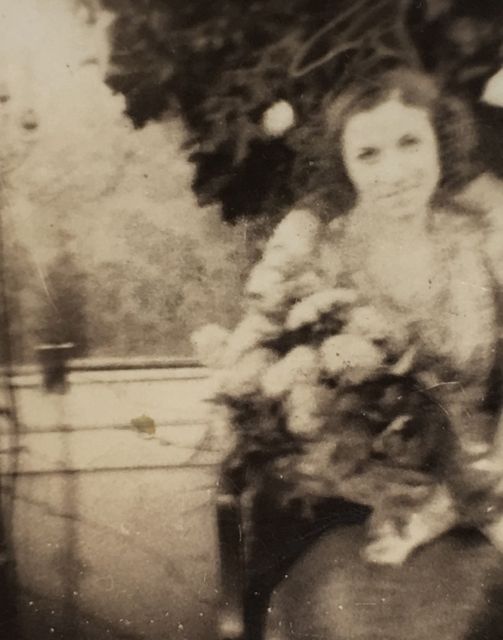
{"x":399,"y":192}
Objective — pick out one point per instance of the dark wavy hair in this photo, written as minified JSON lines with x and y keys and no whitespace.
{"x":319,"y":171}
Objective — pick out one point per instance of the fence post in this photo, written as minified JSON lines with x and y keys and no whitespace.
{"x":53,"y":359}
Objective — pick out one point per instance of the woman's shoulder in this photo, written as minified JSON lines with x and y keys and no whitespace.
{"x":474,"y":220}
{"x":484,"y":194}
{"x":478,"y":207}
{"x":460,"y":224}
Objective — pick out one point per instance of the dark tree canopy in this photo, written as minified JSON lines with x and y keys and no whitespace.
{"x":219,"y":64}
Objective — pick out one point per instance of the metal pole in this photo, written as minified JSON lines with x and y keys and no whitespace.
{"x":8,"y":578}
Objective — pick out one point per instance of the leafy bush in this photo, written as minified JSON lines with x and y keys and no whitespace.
{"x":220,"y":65}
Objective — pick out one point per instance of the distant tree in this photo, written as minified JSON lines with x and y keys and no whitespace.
{"x":221,"y":64}
{"x":167,"y":290}
{"x":108,"y":247}
{"x":19,"y":305}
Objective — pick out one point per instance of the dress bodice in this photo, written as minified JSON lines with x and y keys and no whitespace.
{"x":434,"y":289}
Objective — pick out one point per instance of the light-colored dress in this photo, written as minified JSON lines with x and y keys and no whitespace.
{"x":432,"y":297}
{"x":437,"y":291}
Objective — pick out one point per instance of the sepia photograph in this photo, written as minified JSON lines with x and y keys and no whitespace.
{"x":251,"y":320}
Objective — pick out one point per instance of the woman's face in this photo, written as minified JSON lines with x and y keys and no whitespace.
{"x":391,"y":156}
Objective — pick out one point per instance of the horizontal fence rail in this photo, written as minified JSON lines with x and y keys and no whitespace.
{"x":139,"y":363}
{"x":97,"y":422}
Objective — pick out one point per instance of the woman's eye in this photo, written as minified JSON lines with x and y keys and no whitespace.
{"x":368,"y":154}
{"x":409,"y":141}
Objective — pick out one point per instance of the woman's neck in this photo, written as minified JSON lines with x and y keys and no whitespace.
{"x":402,"y":226}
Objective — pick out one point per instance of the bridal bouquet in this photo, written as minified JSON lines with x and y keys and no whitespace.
{"x":312,"y":369}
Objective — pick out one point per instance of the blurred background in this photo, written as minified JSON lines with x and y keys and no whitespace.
{"x":132,"y":131}
{"x":105,"y":245}
{"x":106,"y":525}
{"x":139,"y":176}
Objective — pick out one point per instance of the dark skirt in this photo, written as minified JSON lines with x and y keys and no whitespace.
{"x":451,"y":589}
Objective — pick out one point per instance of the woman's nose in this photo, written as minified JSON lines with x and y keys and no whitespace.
{"x":391,"y":182}
{"x":398,"y":174}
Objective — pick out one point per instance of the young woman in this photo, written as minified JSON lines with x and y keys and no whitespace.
{"x":430,"y":268}
{"x":403,"y":281}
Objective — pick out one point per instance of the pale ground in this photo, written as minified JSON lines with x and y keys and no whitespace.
{"x":124,"y":546}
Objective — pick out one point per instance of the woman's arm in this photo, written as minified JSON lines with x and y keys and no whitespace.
{"x":490,"y":195}
{"x":486,"y":195}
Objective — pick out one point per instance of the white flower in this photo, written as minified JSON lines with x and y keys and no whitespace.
{"x":266,"y":289}
{"x":294,"y":237}
{"x":244,"y":377}
{"x":285,"y":269}
{"x":493,"y":92}
{"x":302,"y":410}
{"x":250,"y":333}
{"x":367,"y":322}
{"x":284,"y":258}
{"x":300,"y":365}
{"x":304,"y":284}
{"x":352,"y":358}
{"x":209,"y":343}
{"x":309,"y":310}
{"x":278,"y":118}
{"x":405,"y":363}
{"x":222,"y":433}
